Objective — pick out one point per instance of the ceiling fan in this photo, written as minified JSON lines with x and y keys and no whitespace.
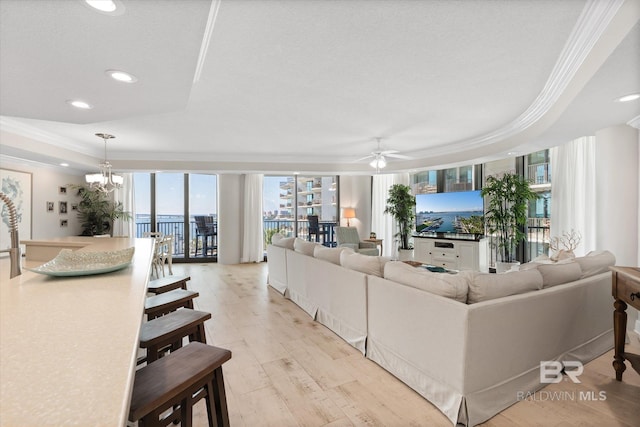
{"x":379,"y":157}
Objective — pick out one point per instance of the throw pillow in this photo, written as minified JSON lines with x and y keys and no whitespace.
{"x":488,"y":286}
{"x":329,"y":254}
{"x":304,"y":247}
{"x":454,"y":286}
{"x":367,"y":264}
{"x":596,"y":262}
{"x":557,"y":274}
{"x":283,"y":242}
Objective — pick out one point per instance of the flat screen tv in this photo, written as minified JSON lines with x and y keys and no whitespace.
{"x":442,"y":212}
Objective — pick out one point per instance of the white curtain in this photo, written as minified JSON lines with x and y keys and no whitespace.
{"x":573,"y":191}
{"x":382,"y":224}
{"x":125,"y":196}
{"x":252,"y":239}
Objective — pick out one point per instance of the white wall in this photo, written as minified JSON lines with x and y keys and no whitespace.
{"x":355,"y":192}
{"x":617,"y":195}
{"x":45,"y":184}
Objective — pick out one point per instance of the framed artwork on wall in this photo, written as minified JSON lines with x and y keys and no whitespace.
{"x":17,"y":186}
{"x":64,"y":223}
{"x":62,"y":207}
{"x":62,"y":190}
{"x":50,"y":206}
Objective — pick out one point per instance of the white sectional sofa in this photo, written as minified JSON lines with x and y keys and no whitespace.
{"x":470,"y":343}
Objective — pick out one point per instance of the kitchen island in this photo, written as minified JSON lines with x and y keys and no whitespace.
{"x":68,"y":345}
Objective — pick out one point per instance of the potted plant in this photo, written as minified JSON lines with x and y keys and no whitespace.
{"x":97,"y":211}
{"x":401,"y":205}
{"x":506,"y":214}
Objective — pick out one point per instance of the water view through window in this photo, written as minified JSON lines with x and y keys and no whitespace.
{"x":168,"y":217}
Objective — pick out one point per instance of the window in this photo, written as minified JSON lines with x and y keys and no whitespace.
{"x":168,"y":202}
{"x":288,"y":200}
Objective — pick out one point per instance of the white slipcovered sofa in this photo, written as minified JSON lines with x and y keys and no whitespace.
{"x":471,"y":342}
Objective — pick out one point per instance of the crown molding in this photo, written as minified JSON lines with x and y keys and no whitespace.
{"x":8,"y":124}
{"x":591,"y":25}
{"x":635,"y":122}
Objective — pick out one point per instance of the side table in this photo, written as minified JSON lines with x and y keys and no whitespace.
{"x":626,"y":290}
{"x":378,"y":242}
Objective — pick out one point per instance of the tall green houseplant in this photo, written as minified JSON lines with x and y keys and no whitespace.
{"x":401,"y":205}
{"x":506,"y":214}
{"x":97,"y":211}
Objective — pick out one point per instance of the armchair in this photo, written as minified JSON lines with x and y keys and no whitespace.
{"x":348,"y":237}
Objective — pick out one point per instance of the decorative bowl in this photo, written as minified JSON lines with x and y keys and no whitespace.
{"x":75,"y":263}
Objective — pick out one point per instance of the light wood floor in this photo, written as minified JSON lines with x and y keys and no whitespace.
{"x":288,"y":370}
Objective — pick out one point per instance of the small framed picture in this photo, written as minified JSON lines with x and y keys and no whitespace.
{"x":62,"y":207}
{"x":62,"y":190}
{"x":64,"y":223}
{"x":74,"y":206}
{"x":50,"y":206}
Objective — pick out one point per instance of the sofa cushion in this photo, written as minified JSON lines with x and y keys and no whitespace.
{"x":304,"y":247}
{"x":596,"y":262}
{"x":557,"y":274}
{"x":367,"y":264}
{"x":487,"y":286}
{"x":281,"y":241}
{"x":454,"y":286}
{"x":329,"y":254}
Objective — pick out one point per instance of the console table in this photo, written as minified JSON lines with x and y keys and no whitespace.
{"x":625,"y":290}
{"x":452,"y":254}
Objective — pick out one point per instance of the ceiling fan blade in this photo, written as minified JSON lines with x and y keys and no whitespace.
{"x":398,"y":156}
{"x":386,"y":152}
{"x":370,"y":156}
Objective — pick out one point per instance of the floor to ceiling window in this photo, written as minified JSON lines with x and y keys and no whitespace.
{"x":289,"y":200}
{"x":170,"y":203}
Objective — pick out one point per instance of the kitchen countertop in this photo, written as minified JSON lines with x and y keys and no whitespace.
{"x":68,"y":345}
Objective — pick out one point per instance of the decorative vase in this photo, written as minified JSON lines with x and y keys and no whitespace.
{"x":405,"y":254}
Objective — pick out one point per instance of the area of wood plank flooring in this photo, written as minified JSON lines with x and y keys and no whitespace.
{"x":288,"y":370}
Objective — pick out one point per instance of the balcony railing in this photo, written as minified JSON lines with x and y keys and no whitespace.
{"x":285,"y":227}
{"x":537,"y":240}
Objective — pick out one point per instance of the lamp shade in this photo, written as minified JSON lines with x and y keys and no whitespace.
{"x":348,"y":213}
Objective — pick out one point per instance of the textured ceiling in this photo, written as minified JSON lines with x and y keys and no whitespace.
{"x":307,"y":85}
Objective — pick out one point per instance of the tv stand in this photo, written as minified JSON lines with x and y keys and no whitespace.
{"x":453,"y":252}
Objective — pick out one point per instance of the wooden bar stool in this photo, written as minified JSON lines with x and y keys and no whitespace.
{"x":166,"y":284}
{"x":164,"y":303}
{"x":176,"y":382}
{"x":167,"y":332}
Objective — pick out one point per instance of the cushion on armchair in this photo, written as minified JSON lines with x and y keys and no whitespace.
{"x":348,"y":237}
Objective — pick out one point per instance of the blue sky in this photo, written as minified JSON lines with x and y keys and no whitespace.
{"x":170,"y":190}
{"x":449,"y":202}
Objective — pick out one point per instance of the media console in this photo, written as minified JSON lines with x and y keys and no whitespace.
{"x":452,"y":252}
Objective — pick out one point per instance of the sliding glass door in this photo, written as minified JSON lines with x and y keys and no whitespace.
{"x":171,"y":203}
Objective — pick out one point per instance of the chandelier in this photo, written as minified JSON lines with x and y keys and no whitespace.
{"x":104,"y":181}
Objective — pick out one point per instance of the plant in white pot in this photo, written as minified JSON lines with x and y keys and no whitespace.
{"x":401,"y":206}
{"x":506,"y":215}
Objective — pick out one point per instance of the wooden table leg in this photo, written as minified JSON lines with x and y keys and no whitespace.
{"x":620,"y":332}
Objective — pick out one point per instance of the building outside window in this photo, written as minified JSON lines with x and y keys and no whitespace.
{"x":289,"y":200}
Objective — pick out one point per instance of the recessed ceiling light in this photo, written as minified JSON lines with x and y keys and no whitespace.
{"x":79,"y":104}
{"x":121,"y":76}
{"x":630,"y":97}
{"x":102,"y":5}
{"x":66,"y":165}
{"x":109,"y":7}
